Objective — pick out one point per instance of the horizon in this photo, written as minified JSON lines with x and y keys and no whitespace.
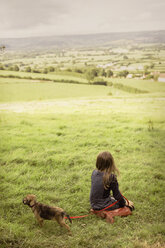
{"x":85,"y":34}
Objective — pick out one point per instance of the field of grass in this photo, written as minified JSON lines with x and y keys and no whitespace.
{"x":28,"y":90}
{"x":148,"y":85}
{"x":50,"y":76}
{"x":21,"y":86}
{"x":51,"y":134}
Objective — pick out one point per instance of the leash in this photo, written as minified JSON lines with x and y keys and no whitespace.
{"x":77,"y":217}
{"x":111,"y":205}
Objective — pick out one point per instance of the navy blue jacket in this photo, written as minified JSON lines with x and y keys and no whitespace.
{"x":99,"y":196}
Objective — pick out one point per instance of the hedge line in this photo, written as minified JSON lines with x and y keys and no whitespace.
{"x":115,"y":85}
{"x":53,"y":80}
{"x":129,"y":89}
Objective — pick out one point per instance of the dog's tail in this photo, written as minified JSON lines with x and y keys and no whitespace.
{"x":64,"y":213}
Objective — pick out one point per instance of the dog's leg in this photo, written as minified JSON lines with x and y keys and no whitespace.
{"x":62,"y":223}
{"x":40,"y":220}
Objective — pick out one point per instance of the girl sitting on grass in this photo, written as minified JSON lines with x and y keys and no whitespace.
{"x":103,"y":181}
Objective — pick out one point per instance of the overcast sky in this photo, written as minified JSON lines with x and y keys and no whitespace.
{"x":24,"y":18}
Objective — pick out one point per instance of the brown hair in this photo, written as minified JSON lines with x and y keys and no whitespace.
{"x":106,"y":164}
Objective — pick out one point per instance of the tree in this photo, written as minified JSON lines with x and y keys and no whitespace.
{"x":28,"y":69}
{"x":123,"y":73}
{"x":146,"y":67}
{"x":103,"y":73}
{"x":125,"y":57}
{"x":109,"y":73}
{"x":91,"y":74}
{"x":35,"y":70}
{"x":152,"y":65}
{"x":45,"y":70}
{"x":69,"y":69}
{"x":1,"y":67}
{"x":50,"y":68}
{"x":146,"y":72}
{"x":78,"y":70}
{"x":156,"y":76}
{"x":2,"y":48}
{"x":15,"y":68}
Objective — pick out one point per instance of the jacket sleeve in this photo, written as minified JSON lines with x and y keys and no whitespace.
{"x":114,"y":186}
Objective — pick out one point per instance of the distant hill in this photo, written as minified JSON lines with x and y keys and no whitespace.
{"x":77,"y":41}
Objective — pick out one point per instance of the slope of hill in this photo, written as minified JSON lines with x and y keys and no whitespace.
{"x":73,"y":41}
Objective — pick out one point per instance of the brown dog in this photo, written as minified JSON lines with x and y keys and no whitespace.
{"x":46,"y":212}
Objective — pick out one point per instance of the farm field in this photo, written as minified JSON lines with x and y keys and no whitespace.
{"x":51,"y":134}
{"x":50,"y":76}
{"x":129,"y":55}
{"x":28,"y":90}
{"x":148,"y":85}
{"x":21,"y":86}
{"x":58,"y":110}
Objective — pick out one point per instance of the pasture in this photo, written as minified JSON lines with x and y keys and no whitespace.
{"x":51,"y":134}
{"x":29,"y":90}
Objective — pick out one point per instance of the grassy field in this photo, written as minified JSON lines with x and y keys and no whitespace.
{"x":50,"y":76}
{"x":148,"y":85}
{"x":49,"y":147}
{"x":15,"y":86}
{"x":28,"y":90}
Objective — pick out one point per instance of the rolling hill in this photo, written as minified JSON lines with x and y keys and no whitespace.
{"x":78,"y":41}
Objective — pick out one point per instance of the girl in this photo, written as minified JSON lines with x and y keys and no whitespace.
{"x":103,"y":181}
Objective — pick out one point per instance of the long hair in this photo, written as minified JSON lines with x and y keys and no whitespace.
{"x":106,"y":164}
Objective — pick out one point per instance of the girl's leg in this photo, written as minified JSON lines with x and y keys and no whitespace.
{"x":115,"y":206}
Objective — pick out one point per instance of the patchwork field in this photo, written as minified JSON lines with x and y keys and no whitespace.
{"x":51,"y":134}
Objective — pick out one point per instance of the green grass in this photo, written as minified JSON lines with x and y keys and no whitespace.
{"x":20,"y":89}
{"x":50,"y":151}
{"x":145,"y":85}
{"x":50,"y":76}
{"x":28,"y":90}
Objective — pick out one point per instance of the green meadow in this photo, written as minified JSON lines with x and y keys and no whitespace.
{"x":41,"y":76}
{"x":28,"y":90}
{"x":51,"y":134}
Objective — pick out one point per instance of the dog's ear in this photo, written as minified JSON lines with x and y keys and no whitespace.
{"x":31,"y":199}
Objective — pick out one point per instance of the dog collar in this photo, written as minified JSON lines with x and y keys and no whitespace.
{"x":32,"y":205}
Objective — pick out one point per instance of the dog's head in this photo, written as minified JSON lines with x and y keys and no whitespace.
{"x":29,"y":200}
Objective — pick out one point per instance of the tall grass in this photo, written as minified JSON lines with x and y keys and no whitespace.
{"x":52,"y":155}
